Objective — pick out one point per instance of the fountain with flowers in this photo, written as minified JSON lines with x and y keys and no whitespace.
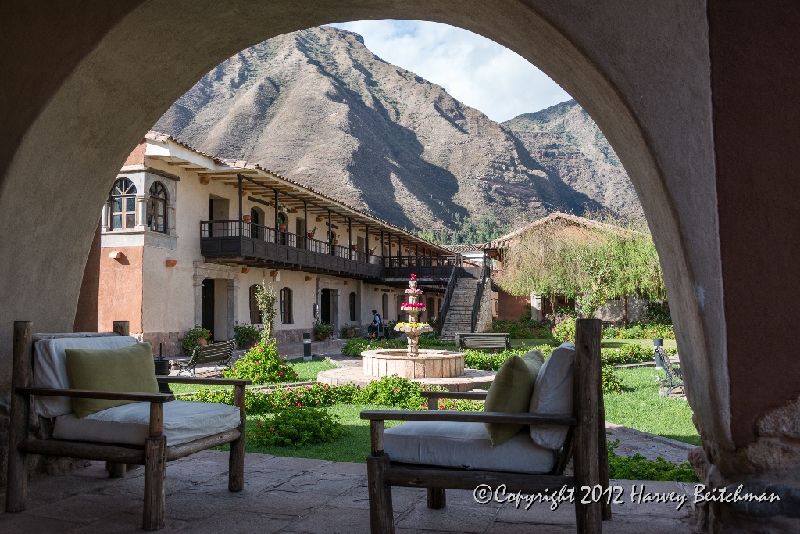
{"x":413,"y":328}
{"x":413,"y":363}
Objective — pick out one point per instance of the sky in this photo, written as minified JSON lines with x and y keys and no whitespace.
{"x":478,"y":72}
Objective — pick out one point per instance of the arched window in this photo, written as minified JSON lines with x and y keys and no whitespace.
{"x":286,"y":306}
{"x":255,"y":313}
{"x":157,"y":208}
{"x":122,"y":205}
{"x":352,"y":301}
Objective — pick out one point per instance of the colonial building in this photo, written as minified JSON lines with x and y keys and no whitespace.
{"x":186,"y":237}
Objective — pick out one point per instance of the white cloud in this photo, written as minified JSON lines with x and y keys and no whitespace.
{"x":475,"y":70}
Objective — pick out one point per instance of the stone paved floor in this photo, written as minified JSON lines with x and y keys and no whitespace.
{"x":295,"y":495}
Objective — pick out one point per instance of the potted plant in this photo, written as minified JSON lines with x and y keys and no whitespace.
{"x":312,"y":232}
{"x":246,"y":218}
{"x":372,"y":251}
{"x":335,"y":241}
{"x":347,"y":331}
{"x":354,"y":247}
{"x":194,"y":337}
{"x":322,"y":331}
{"x":281,"y":227}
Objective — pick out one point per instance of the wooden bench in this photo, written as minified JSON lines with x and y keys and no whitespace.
{"x":220,"y":353}
{"x":483,"y":340}
{"x":585,"y":443}
{"x":153,"y":452}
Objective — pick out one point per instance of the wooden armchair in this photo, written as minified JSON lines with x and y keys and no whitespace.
{"x":585,"y":444}
{"x":153,"y":452}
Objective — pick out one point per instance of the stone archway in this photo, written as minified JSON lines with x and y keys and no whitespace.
{"x":642,"y":70}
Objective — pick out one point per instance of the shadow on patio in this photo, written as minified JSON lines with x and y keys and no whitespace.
{"x":297,"y":495}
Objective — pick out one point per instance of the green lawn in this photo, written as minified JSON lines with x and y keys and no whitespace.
{"x":640,"y":406}
{"x":353,"y":447}
{"x":307,"y":371}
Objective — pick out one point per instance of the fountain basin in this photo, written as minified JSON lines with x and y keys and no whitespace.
{"x":429,"y":364}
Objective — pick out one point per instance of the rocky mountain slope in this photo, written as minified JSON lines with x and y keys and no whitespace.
{"x":568,"y":145}
{"x":318,"y":107}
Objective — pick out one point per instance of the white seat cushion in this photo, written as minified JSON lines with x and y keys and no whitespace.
{"x":552,"y":394}
{"x":184,"y":421}
{"x":467,"y":445}
{"x":50,"y":367}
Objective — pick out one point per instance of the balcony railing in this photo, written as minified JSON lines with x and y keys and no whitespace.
{"x":250,"y":243}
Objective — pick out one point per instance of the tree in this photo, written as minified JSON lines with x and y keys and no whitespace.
{"x":590,"y":264}
{"x":265,"y":300}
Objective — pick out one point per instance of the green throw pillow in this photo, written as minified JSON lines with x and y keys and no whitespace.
{"x":127,"y":369}
{"x":511,"y":392}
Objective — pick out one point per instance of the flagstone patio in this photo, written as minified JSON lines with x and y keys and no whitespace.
{"x":296,"y":495}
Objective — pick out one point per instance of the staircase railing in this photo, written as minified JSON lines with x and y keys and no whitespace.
{"x":448,"y":295}
{"x":476,"y":304}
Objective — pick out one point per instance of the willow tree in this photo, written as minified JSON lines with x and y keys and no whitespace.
{"x":591,"y":264}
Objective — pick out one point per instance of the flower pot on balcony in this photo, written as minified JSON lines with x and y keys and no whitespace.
{"x":335,"y":241}
{"x":281,"y":227}
{"x":246,"y":218}
{"x":203,"y":341}
{"x":311,"y":235}
{"x":354,"y":247}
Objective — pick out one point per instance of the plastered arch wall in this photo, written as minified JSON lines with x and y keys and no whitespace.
{"x":641,"y":75}
{"x":641,"y":69}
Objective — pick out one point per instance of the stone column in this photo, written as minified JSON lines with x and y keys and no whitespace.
{"x":233,"y":305}
{"x":104,"y":218}
{"x":141,"y":212}
{"x":359,"y":302}
{"x":198,"y":298}
{"x":536,"y":307}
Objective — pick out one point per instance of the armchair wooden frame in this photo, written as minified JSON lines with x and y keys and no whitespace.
{"x":585,"y":444}
{"x":153,"y":454}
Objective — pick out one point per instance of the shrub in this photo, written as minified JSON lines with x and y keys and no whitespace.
{"x":354,"y":347}
{"x":309,"y":395}
{"x":564,"y":331}
{"x":254,"y":402}
{"x":609,"y":381}
{"x":246,"y":335}
{"x":637,"y":467}
{"x":521,"y":330}
{"x":297,"y":427}
{"x":193,"y":338}
{"x":262,"y":364}
{"x":639,"y":331}
{"x":631,"y":353}
{"x":491,"y":361}
{"x":392,"y":391}
{"x":322,"y":331}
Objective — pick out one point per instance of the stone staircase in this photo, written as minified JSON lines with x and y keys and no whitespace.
{"x":459,"y":316}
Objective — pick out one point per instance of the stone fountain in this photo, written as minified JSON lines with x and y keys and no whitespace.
{"x":413,"y":363}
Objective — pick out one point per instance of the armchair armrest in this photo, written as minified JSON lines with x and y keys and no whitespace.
{"x":203,"y":381}
{"x":471,"y":395}
{"x":159,"y":398}
{"x":469,"y":417}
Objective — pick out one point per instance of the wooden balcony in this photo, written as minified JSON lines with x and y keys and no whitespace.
{"x":261,"y":246}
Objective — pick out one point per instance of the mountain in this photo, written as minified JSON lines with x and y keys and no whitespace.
{"x":568,"y":145}
{"x":318,"y":107}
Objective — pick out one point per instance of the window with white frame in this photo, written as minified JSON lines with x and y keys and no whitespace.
{"x":122,"y":205}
